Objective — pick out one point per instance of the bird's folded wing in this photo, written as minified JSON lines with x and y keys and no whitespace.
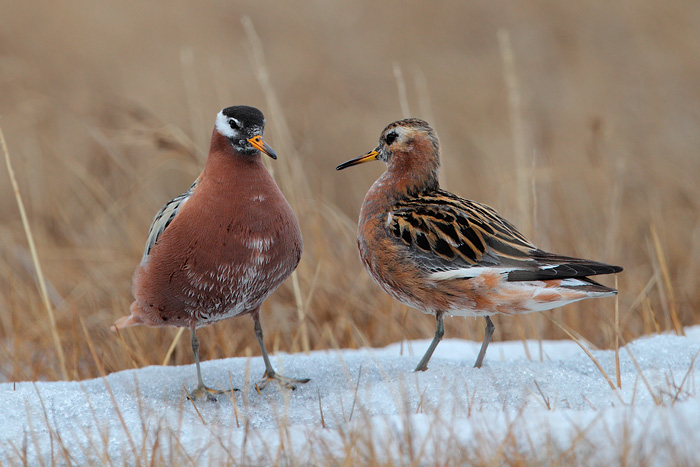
{"x":164,"y":217}
{"x":455,"y":238}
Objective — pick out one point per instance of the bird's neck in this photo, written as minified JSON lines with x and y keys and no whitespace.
{"x":407,"y":177}
{"x":394,"y":186}
{"x":227,"y":169}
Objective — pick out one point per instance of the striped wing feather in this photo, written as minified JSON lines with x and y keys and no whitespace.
{"x":446,"y":233}
{"x":164,"y":217}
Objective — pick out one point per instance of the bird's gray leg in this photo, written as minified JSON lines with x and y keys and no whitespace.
{"x":201,"y":388}
{"x":439,"y":332}
{"x":270,"y":373}
{"x":488,"y":333}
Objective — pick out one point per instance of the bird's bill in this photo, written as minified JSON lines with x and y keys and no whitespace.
{"x":370,"y":156}
{"x":259,"y":144}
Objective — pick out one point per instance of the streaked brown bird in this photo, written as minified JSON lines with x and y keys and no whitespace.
{"x":441,"y":254}
{"x":220,"y":249}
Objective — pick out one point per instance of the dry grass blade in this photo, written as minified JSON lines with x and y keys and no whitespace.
{"x":517,"y":127}
{"x":320,"y":409}
{"x":101,"y":369}
{"x":424,"y":106}
{"x":173,"y":344}
{"x":126,"y":347}
{"x":35,"y":259}
{"x":357,"y":387}
{"x":578,"y":341}
{"x":545,"y":399}
{"x":53,"y":432}
{"x":581,"y":435}
{"x":401,"y":86}
{"x":617,"y":338}
{"x":643,"y":295}
{"x":195,"y":407}
{"x":685,"y":377}
{"x":233,"y":400}
{"x":301,"y":315}
{"x":656,"y":398}
{"x":661,"y":257}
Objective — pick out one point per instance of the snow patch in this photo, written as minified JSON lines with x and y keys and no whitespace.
{"x":554,"y":399}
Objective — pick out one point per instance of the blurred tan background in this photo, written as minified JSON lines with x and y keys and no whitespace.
{"x":580,"y":123}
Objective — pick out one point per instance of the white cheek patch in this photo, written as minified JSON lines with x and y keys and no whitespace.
{"x":403,"y":134}
{"x":223,"y":127}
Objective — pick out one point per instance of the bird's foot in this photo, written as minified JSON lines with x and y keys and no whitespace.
{"x":209,"y":393}
{"x":288,"y":383}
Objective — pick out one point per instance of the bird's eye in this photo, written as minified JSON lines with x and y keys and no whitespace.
{"x":235,"y":125}
{"x":391,"y":137}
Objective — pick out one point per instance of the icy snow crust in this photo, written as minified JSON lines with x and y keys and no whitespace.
{"x":371,"y":400}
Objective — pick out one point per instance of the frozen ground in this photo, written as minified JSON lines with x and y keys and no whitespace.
{"x":367,"y":403}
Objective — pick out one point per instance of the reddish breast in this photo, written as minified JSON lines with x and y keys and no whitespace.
{"x":385,"y":259}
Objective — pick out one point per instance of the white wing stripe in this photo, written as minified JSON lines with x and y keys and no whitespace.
{"x":467,"y":273}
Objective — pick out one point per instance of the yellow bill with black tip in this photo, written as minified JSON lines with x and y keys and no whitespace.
{"x":370,"y":156}
{"x":259,"y":144}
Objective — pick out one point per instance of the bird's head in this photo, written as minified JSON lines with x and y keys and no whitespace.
{"x":244,"y":127}
{"x":408,"y":147}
